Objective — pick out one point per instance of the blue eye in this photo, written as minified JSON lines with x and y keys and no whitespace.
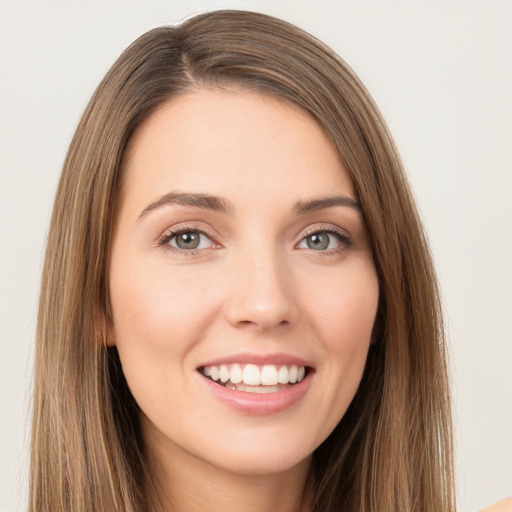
{"x":188,"y":240}
{"x":322,"y":241}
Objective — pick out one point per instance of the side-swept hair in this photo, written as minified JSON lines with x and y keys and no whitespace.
{"x":392,"y":451}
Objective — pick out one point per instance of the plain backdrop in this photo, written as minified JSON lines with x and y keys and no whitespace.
{"x":441,"y":71}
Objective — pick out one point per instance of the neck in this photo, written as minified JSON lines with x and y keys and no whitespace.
{"x":186,"y":483}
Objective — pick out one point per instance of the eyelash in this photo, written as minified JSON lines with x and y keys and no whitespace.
{"x":343,"y":238}
{"x":169,"y":235}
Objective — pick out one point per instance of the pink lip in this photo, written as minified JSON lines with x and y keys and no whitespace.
{"x":259,"y":359}
{"x":257,"y":404}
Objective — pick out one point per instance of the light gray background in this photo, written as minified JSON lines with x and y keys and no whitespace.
{"x":441,"y":72}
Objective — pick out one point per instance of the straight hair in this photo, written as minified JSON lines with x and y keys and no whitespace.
{"x":392,"y":450}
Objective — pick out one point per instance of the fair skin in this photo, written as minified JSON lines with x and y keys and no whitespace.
{"x":500,"y":506}
{"x":238,"y":245}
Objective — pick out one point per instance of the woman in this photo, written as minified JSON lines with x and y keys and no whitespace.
{"x":238,"y":305}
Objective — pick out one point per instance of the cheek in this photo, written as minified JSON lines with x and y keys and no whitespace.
{"x":160,"y":315}
{"x":345,"y":312}
{"x":158,"y":310}
{"x":343,"y":317}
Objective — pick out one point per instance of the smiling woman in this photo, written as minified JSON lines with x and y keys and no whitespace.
{"x":257,"y":315}
{"x":238,"y":307}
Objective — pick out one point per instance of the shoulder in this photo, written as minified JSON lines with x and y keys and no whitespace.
{"x":500,"y":506}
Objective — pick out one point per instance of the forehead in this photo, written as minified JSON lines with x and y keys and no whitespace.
{"x":234,"y":144}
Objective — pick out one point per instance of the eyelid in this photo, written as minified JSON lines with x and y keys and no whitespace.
{"x":317,"y":228}
{"x":170,"y":233}
{"x":341,"y":233}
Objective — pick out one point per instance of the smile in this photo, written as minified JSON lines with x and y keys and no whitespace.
{"x":257,"y":384}
{"x":252,"y":378}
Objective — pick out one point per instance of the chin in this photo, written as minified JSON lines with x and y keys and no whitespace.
{"x":262,"y":463}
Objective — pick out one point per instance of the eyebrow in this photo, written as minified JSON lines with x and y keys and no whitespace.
{"x":203,"y":201}
{"x":322,"y":203}
{"x":219,"y":204}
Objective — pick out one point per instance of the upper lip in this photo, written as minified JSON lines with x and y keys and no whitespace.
{"x":279,"y":358}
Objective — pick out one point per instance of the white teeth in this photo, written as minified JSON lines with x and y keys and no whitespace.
{"x":257,"y":389}
{"x":269,"y":375}
{"x":251,"y":375}
{"x":293,"y":374}
{"x":214,"y":372}
{"x":224,"y":374}
{"x":283,"y":375}
{"x":236,"y":375}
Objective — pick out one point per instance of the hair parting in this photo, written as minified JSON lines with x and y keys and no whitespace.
{"x":392,"y":450}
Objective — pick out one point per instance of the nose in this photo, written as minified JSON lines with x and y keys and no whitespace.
{"x":261,"y":293}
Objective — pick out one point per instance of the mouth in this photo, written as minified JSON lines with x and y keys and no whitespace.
{"x":256,"y":384}
{"x":253,"y":378}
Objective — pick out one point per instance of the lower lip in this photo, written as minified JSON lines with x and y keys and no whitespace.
{"x":259,"y":404}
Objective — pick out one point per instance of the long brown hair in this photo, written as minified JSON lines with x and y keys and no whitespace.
{"x":392,"y":451}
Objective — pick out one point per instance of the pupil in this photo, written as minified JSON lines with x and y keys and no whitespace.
{"x":318,"y":241}
{"x":187,"y":240}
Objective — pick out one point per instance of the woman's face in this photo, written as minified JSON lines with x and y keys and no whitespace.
{"x":239,"y":253}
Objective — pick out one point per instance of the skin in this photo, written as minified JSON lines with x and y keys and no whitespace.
{"x":500,"y":506}
{"x":254,"y":286}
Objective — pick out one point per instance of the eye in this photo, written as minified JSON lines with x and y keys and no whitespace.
{"x":187,"y":240}
{"x":323,"y":241}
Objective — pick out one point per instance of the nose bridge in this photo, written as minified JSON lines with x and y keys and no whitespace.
{"x":261,"y":291}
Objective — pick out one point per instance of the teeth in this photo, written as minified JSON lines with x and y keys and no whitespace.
{"x":214,"y":372}
{"x":269,"y":375}
{"x":224,"y":374}
{"x":283,"y":375}
{"x":236,"y":375}
{"x":293,"y":374}
{"x":257,"y":389}
{"x":252,"y":375}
